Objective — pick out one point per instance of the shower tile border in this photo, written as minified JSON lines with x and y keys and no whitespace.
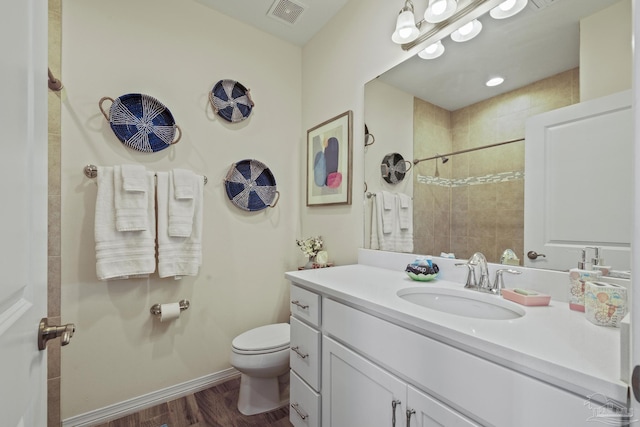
{"x":472,"y":180}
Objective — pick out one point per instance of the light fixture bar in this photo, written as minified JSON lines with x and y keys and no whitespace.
{"x":472,"y":10}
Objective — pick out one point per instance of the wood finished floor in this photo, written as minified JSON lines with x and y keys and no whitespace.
{"x":213,"y":407}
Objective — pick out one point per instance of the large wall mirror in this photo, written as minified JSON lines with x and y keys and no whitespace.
{"x":472,"y":200}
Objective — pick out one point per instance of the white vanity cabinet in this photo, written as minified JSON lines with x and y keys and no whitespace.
{"x":366,"y":354}
{"x":360,"y":393}
{"x":305,"y":358}
{"x":369,"y":362}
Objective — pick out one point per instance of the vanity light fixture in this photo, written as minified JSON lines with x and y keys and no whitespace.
{"x":494,"y":81}
{"x":439,"y":10}
{"x":467,"y":31}
{"x":507,"y":9}
{"x":432,"y":51}
{"x":406,"y":27}
{"x":443,"y":18}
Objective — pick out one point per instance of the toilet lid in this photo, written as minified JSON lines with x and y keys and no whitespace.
{"x":267,"y":337}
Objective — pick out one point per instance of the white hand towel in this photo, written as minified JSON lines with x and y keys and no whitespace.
{"x":131,"y":206}
{"x":375,"y":220}
{"x":403,"y":232}
{"x":405,"y":212}
{"x":179,"y":256}
{"x":181,"y":202}
{"x":183,"y":183}
{"x":122,"y":254}
{"x":384,"y":239}
{"x":388,"y":201}
{"x":134,"y":178}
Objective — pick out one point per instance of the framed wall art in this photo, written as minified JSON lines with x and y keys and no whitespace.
{"x":329,"y":161}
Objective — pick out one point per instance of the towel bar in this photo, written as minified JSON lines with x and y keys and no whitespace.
{"x":91,"y":171}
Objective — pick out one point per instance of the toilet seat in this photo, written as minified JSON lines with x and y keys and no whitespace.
{"x":264,"y":339}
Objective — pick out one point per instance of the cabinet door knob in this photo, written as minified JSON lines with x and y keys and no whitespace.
{"x":296,"y":349}
{"x":296,"y":302}
{"x":300,"y":414}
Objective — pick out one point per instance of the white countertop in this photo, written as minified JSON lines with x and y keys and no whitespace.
{"x":551,"y":343}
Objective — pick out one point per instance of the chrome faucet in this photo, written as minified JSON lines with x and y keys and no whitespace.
{"x":477,"y":260}
{"x":481,"y":261}
{"x":483,"y":283}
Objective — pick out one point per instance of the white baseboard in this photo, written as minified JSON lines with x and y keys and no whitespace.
{"x":117,"y":410}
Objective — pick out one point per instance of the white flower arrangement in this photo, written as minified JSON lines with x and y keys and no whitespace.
{"x":310,"y":246}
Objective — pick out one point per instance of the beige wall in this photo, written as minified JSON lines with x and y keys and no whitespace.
{"x":463,"y":218}
{"x":351,"y":50}
{"x":174,"y":51}
{"x":606,"y":51}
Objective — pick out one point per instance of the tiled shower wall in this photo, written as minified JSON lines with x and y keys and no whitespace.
{"x":465,"y":210}
{"x":53,"y":306}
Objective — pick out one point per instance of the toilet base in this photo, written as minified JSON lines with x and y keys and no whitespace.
{"x":258,"y":395}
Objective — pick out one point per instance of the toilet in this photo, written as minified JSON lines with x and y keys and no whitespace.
{"x":261,"y":355}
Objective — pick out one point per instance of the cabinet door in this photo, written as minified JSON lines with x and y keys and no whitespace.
{"x":430,"y":413}
{"x":355,"y":392}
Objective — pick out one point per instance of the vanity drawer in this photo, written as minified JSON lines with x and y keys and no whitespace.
{"x":305,"y":404}
{"x":305,"y":353}
{"x":305,"y":305}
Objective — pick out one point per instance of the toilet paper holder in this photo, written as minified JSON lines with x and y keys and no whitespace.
{"x":156,"y":309}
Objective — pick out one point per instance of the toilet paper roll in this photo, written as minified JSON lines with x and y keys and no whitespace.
{"x":605,"y":303}
{"x":169,"y":312}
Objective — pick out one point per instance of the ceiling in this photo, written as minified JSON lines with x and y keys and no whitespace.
{"x":539,"y":42}
{"x":315,"y":14}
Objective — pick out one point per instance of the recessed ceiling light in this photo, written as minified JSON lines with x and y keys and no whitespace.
{"x":495,"y":81}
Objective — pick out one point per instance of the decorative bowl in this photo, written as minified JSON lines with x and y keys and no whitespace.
{"x":422,"y":273}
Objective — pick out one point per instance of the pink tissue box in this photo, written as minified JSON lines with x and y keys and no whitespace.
{"x":538,"y":299}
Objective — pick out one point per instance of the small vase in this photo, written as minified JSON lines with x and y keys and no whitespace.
{"x":310,"y":263}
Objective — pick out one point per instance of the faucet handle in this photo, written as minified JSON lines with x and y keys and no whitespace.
{"x":471,"y":275}
{"x":498,"y":284}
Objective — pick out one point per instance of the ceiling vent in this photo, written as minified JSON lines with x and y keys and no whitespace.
{"x":286,"y":11}
{"x":541,"y":4}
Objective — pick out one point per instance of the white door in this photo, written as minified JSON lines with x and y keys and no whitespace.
{"x":355,"y":392}
{"x":578,"y":186}
{"x":23,"y":224}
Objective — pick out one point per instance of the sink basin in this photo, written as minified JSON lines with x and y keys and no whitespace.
{"x":463,"y":302}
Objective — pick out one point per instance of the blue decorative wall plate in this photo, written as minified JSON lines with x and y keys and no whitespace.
{"x":141,"y":122}
{"x":231,"y":100}
{"x":250,"y":185}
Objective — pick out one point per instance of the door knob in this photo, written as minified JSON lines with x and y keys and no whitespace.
{"x":534,"y":255}
{"x":48,"y":332}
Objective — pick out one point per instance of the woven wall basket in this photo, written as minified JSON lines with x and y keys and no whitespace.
{"x":231,"y":100}
{"x":141,"y":122}
{"x":394,"y":167}
{"x":251,"y":186}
